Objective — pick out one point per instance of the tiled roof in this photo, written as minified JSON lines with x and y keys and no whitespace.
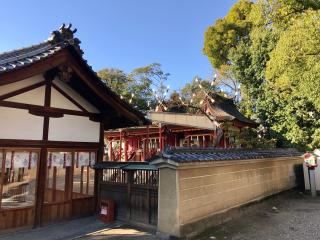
{"x":59,"y":40}
{"x":225,"y":109}
{"x":195,"y":155}
{"x":25,"y":56}
{"x":125,"y":165}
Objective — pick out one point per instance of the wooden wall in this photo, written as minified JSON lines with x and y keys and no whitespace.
{"x":14,"y":218}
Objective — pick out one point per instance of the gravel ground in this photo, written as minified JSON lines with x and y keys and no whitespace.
{"x":288,"y":216}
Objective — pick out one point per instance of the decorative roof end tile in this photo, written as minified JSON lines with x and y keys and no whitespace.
{"x":65,"y":35}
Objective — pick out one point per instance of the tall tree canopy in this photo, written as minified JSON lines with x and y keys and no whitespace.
{"x":272,"y":48}
{"x":143,"y":87}
{"x":194,"y":93}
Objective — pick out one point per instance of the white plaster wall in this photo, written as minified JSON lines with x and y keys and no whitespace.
{"x":19,"y":124}
{"x":76,"y":96}
{"x":21,"y":84}
{"x":306,"y":177}
{"x":35,"y":96}
{"x":74,"y":129}
{"x":59,"y":101}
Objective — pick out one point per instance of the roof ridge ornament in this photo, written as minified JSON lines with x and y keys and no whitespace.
{"x":65,"y":35}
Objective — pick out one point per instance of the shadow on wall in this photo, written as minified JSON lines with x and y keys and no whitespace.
{"x":298,"y":171}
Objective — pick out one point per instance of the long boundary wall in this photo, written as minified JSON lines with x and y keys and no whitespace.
{"x":192,"y":196}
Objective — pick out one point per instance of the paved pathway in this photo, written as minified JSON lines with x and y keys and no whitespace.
{"x":79,"y":229}
{"x":122,"y":232}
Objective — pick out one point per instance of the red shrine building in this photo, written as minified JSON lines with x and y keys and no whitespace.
{"x":54,"y":111}
{"x":218,"y":126}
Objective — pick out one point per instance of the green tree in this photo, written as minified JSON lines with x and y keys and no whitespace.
{"x":194,"y":93}
{"x":152,"y":75}
{"x":174,"y":103}
{"x":143,"y":87}
{"x":137,"y":92}
{"x":275,"y":57}
{"x":226,"y":34}
{"x":117,"y":80}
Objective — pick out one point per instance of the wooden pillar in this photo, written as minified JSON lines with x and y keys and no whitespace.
{"x":42,"y":169}
{"x":3,"y":165}
{"x":98,"y":173}
{"x":130,"y":175}
{"x":69,"y":186}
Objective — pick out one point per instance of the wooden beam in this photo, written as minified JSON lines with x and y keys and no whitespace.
{"x":49,"y":144}
{"x":46,"y":110}
{"x":21,"y":90}
{"x":46,"y":114}
{"x":98,"y":90}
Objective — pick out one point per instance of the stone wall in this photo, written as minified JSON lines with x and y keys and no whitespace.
{"x":199,"y":191}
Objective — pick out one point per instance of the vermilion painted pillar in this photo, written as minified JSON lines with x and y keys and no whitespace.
{"x":144,"y":153}
{"x":120,"y":146}
{"x":160,"y":137}
{"x":110,"y":150}
{"x":175,"y":140}
{"x":125,"y":149}
{"x":147,"y":144}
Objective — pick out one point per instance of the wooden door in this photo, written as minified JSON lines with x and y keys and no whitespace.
{"x":57,"y":198}
{"x":69,"y":187}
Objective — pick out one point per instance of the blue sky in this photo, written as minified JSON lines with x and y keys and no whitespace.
{"x":122,"y":34}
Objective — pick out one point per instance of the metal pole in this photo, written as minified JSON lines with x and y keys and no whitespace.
{"x":312,"y":174}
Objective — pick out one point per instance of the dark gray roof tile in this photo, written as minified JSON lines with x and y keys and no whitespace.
{"x":195,"y":155}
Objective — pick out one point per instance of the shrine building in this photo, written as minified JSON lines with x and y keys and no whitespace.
{"x":54,"y":111}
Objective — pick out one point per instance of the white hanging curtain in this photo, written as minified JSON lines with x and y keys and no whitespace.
{"x":21,"y":159}
{"x":59,"y":159}
{"x":85,"y":159}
